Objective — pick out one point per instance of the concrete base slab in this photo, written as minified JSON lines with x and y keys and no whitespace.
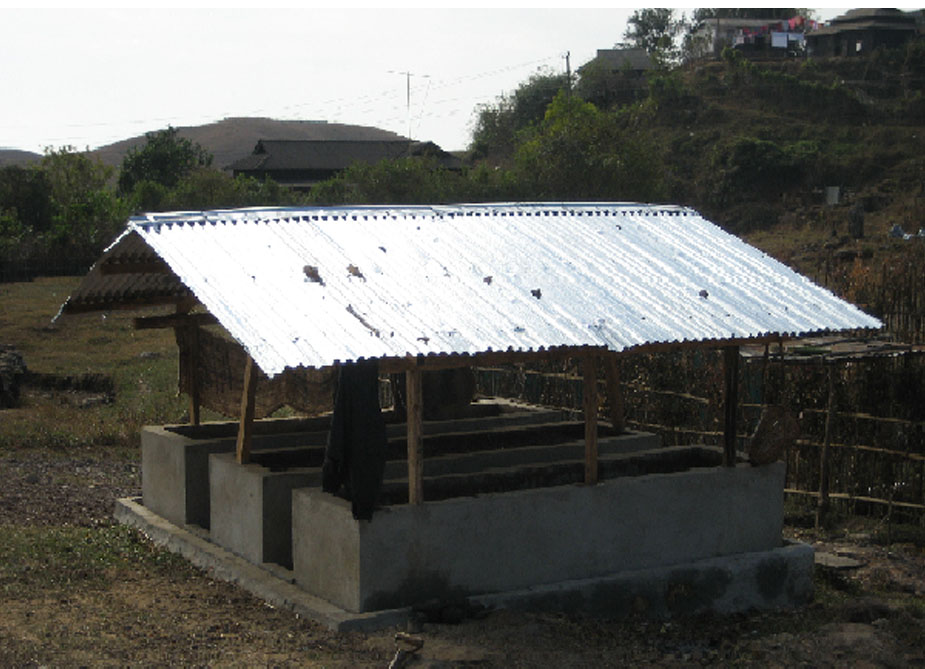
{"x":772,"y":579}
{"x":781,"y":577}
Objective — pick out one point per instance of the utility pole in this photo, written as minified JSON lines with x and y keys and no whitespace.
{"x":568,"y":76}
{"x":408,"y":76}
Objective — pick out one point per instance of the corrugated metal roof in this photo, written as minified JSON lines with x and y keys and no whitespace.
{"x":316,"y":286}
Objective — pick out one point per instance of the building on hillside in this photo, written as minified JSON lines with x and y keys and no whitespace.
{"x":750,"y":36}
{"x":616,"y":76}
{"x":860,"y":31}
{"x":299,"y":164}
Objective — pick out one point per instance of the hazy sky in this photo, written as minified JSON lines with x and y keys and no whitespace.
{"x":89,"y":77}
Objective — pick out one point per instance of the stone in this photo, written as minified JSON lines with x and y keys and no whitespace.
{"x":12,"y":374}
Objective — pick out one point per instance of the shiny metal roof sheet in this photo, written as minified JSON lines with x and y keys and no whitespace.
{"x":315,"y":286}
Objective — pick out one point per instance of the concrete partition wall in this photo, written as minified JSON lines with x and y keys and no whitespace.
{"x":175,"y":467}
{"x":251,"y":508}
{"x":175,"y":459}
{"x":508,"y":541}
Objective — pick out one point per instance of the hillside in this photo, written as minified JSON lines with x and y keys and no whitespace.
{"x":763,"y":148}
{"x":233,"y":138}
{"x":227,"y":140}
{"x":17,"y":157}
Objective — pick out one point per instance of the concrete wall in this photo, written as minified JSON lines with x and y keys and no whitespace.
{"x":251,"y":509}
{"x":509,"y":541}
{"x":175,"y":467}
{"x":175,"y":459}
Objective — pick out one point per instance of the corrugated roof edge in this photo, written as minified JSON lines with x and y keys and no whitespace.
{"x":452,"y":210}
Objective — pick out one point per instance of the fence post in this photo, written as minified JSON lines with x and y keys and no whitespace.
{"x":823,"y":507}
{"x":730,"y":403}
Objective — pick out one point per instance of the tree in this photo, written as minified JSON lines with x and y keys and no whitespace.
{"x":25,"y":196}
{"x":86,"y":212}
{"x":497,"y":125}
{"x":164,"y":160}
{"x":655,"y":30}
{"x":580,"y":152}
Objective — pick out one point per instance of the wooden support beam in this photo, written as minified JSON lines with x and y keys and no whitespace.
{"x":415,"y":405}
{"x":180,"y":319}
{"x":730,"y":403}
{"x":246,"y":426}
{"x":615,"y":393}
{"x":589,"y":392}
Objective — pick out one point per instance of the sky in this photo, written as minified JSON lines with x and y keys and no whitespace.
{"x":89,"y":77}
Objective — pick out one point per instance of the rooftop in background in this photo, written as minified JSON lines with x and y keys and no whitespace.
{"x":316,"y":286}
{"x":618,"y":59}
{"x":231,"y":139}
{"x":300,"y":163}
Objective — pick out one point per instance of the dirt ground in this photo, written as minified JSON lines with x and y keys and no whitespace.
{"x":76,"y":590}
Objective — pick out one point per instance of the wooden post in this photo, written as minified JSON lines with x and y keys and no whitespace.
{"x":615,"y":394}
{"x":414,"y":406}
{"x":730,"y":403}
{"x":823,"y":504}
{"x":193,"y":389}
{"x":246,"y":426}
{"x":589,"y":391}
{"x":183,"y":319}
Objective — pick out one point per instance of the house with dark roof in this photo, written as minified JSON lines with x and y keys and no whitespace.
{"x":618,"y":75}
{"x":299,"y":164}
{"x":860,"y":31}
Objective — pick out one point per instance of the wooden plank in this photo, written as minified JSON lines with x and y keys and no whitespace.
{"x":615,"y":394}
{"x":589,"y":393}
{"x":415,"y":405}
{"x":173,"y":321}
{"x":246,"y":426}
{"x":730,"y":403}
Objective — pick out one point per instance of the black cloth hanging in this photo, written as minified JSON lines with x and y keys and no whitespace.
{"x":356,"y":448}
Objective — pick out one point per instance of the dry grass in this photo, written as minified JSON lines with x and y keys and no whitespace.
{"x":142,"y":365}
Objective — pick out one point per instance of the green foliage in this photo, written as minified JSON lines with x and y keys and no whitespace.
{"x":164,"y":159}
{"x":748,"y":166}
{"x":25,"y":195}
{"x":790,"y":93}
{"x":580,"y":152}
{"x":655,"y":30}
{"x":497,"y":125}
{"x":206,"y":188}
{"x":403,"y":181}
{"x":86,"y":212}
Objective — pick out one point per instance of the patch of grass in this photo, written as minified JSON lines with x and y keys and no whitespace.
{"x":33,"y":559}
{"x":141,"y":363}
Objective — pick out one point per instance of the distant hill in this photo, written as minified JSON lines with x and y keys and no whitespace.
{"x":233,"y":138}
{"x":17,"y":157}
